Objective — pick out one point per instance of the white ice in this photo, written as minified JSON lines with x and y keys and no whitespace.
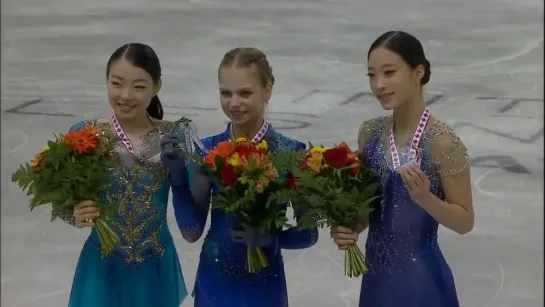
{"x":484,"y":54}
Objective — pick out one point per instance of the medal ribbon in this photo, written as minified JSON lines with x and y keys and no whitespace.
{"x":260,"y":133}
{"x":189,"y":131}
{"x":122,"y":135}
{"x":415,"y":142}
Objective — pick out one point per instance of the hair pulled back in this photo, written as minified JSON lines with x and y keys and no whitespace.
{"x":144,"y":57}
{"x":245,"y":57}
{"x":407,"y":47}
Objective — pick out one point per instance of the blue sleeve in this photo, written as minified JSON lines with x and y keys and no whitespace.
{"x":185,"y":209}
{"x":294,"y":237}
{"x":190,"y":203}
{"x":300,"y":146}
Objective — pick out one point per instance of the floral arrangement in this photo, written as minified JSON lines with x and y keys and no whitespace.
{"x":249,"y":177}
{"x":67,"y":171}
{"x":334,"y":188}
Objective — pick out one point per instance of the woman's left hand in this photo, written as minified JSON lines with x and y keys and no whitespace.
{"x":251,"y":236}
{"x":417,"y":183}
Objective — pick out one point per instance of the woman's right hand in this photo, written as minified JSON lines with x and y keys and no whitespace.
{"x":84,"y":213}
{"x":169,"y":154}
{"x":172,"y":160}
{"x":344,"y":237}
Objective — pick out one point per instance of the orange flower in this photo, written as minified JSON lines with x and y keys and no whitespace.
{"x":83,"y":141}
{"x":91,"y":130}
{"x":261,"y":185}
{"x":39,"y":158}
{"x":37,"y":161}
{"x":223,"y":149}
{"x":272,"y":172}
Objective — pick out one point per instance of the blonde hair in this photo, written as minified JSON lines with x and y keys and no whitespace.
{"x":245,"y":58}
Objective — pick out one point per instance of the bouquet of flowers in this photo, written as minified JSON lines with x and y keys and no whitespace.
{"x":71,"y":169}
{"x":333,"y":188}
{"x":248,"y":178}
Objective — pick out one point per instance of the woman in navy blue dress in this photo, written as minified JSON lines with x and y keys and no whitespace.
{"x":425,"y":181}
{"x":245,"y":81}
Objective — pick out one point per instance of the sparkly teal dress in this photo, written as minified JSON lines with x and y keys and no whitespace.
{"x":222,"y":278}
{"x":144,"y":269}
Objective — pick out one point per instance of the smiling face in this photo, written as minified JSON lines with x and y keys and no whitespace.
{"x":392,"y":80}
{"x":242,"y":95}
{"x":130,"y":89}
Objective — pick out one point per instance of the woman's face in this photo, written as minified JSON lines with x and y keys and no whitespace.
{"x":243,"y":98}
{"x":130,"y":89}
{"x":392,"y":81}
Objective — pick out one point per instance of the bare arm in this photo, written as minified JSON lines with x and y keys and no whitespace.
{"x":456,"y":211}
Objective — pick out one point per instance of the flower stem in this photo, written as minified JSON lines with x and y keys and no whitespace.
{"x":255,"y":259}
{"x":354,"y":262}
{"x":107,"y":237}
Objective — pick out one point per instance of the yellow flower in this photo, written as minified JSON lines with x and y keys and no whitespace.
{"x":318,"y":150}
{"x":243,"y":179}
{"x":233,"y":160}
{"x":241,"y":140}
{"x":43,"y":150}
{"x":39,"y":158}
{"x":314,"y":161}
{"x":263,"y":145}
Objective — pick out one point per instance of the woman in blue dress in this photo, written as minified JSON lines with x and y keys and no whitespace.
{"x":425,"y":181}
{"x":245,"y":81}
{"x":143,"y":270}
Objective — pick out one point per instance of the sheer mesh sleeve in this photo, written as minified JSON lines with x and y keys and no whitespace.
{"x":449,"y":152}
{"x":365,"y":131}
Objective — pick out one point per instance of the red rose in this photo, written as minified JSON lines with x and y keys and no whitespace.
{"x":228,"y":175}
{"x":291,"y":181}
{"x":336,"y":157}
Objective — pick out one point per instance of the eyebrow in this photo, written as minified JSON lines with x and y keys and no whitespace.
{"x":384,"y":66}
{"x":238,"y":89}
{"x":136,"y":80}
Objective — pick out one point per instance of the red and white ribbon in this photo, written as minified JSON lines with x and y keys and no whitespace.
{"x":260,"y":133}
{"x":122,"y":135}
{"x":415,"y":142}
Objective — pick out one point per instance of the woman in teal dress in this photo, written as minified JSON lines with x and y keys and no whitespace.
{"x":425,"y":181}
{"x":246,"y":81}
{"x":143,"y":270}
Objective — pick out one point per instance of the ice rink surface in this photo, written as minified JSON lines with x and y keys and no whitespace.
{"x":487,"y":83}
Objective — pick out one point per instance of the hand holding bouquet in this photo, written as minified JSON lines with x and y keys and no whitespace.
{"x":248,"y":178}
{"x":68,"y":171}
{"x":334,"y":188}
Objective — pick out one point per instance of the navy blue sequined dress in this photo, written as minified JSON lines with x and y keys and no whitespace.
{"x":143,"y":270}
{"x":407,"y":267}
{"x":222,"y":279}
